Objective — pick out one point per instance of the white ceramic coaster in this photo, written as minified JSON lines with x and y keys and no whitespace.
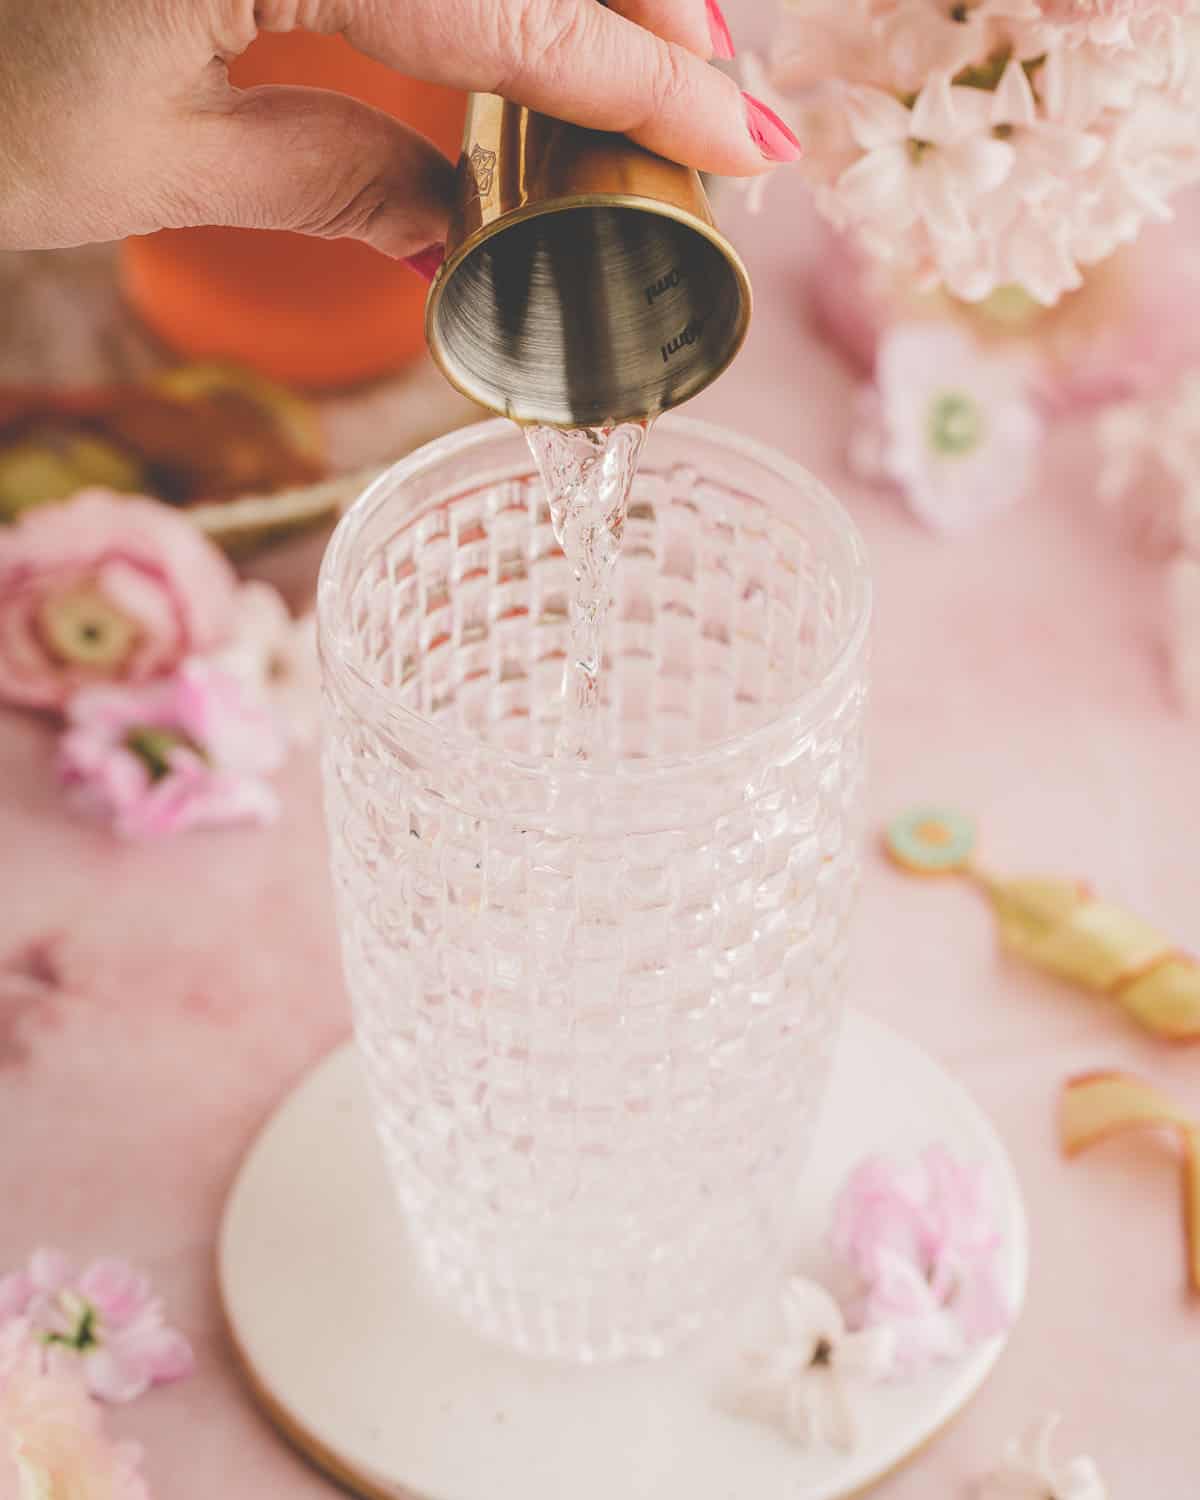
{"x":395,"y":1398}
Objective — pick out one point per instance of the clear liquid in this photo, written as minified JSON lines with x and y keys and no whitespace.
{"x":588,"y":473}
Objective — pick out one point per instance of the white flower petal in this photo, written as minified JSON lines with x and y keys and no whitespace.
{"x":1013,"y":102}
{"x":971,"y":278}
{"x":1072,"y":150}
{"x":983,"y":163}
{"x":841,"y":1430}
{"x":1040,"y":264}
{"x":870,"y":1353}
{"x":939,"y":191}
{"x":879,"y":186}
{"x":933,"y":115}
{"x":875,"y":118}
{"x":801,"y":1416}
{"x":1029,"y":1473}
{"x":811,"y":1313}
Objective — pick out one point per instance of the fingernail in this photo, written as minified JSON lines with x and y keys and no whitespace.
{"x":771,"y":135}
{"x":426,"y":262}
{"x":718,"y":29}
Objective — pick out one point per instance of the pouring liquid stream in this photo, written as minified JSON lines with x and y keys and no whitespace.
{"x":588,"y":473}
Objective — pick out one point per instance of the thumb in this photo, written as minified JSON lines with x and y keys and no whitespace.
{"x":316,"y":163}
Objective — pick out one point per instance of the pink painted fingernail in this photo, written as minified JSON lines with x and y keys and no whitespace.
{"x":771,"y":135}
{"x":718,"y":29}
{"x":427,"y":262}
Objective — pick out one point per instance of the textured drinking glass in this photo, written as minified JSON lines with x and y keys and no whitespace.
{"x":596,"y":1003}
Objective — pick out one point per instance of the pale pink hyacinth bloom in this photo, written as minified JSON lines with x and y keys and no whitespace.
{"x":803,"y":1382}
{"x":1107,"y":22}
{"x":104,"y":587}
{"x":52,"y":1440}
{"x":188,"y":751}
{"x":1030,"y":1472}
{"x":1045,"y":152}
{"x":103,"y":1323}
{"x":991,"y":196}
{"x":924,"y":38}
{"x":922,"y":1241}
{"x":274,"y":657}
{"x":923,"y":165}
{"x":953,"y":426}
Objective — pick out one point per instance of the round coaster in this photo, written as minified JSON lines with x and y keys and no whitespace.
{"x":398,"y":1400}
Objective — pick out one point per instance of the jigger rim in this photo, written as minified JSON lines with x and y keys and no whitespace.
{"x":567,"y":204}
{"x":804,"y":709}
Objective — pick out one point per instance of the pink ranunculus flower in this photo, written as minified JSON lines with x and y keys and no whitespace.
{"x":188,"y":751}
{"x":923,"y":1243}
{"x":959,"y":431}
{"x":104,"y":1324}
{"x":105,"y":587}
{"x":52,"y":1439}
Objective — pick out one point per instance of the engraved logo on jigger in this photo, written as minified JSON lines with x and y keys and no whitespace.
{"x":483,"y":169}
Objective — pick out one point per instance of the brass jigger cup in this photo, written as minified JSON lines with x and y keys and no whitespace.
{"x":585,"y":282}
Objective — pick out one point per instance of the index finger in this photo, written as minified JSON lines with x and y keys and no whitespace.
{"x":581,"y":62}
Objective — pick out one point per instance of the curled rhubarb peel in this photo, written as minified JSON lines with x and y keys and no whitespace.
{"x":1097,"y":1106}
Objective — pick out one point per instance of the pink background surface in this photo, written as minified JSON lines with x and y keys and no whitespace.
{"x":1017,"y":674}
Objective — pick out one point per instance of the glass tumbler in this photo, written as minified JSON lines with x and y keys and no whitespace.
{"x":596,"y":1001}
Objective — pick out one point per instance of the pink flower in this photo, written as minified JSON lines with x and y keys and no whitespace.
{"x":52,"y":1440}
{"x":921,"y":38}
{"x":1106,"y":21}
{"x":189,"y":751}
{"x":958,"y":431}
{"x":104,"y":1324}
{"x":922,"y":1241}
{"x":961,"y":1245}
{"x":993,"y":144}
{"x":275,"y":659}
{"x":901,"y":1299}
{"x":104,"y":587}
{"x":878,"y":1212}
{"x":923,"y":165}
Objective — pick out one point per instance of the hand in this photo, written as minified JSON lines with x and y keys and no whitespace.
{"x":117,"y":117}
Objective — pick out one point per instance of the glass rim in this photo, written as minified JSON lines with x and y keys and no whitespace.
{"x":801,"y":708}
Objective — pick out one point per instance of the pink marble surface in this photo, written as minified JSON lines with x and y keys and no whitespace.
{"x":1017,"y":673}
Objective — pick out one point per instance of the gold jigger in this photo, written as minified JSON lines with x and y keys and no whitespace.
{"x":585,"y":282}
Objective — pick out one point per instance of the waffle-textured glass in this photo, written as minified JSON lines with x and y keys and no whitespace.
{"x":596,"y":1004}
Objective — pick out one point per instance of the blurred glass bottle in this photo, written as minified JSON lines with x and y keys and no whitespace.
{"x":312,"y":313}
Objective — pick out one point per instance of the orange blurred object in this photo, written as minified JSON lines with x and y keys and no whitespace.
{"x":312,"y":313}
